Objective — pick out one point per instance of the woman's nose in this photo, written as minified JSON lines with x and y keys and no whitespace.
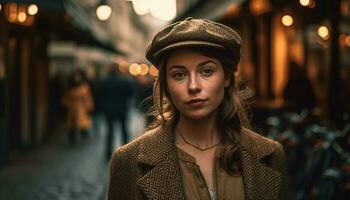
{"x":194,"y":85}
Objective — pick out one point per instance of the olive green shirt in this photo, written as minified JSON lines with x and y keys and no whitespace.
{"x":226,"y":186}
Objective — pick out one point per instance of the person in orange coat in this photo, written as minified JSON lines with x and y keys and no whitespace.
{"x":79,"y":103}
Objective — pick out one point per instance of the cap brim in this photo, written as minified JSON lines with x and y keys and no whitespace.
{"x":187,"y":44}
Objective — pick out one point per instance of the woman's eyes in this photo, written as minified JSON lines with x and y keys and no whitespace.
{"x":207,"y":71}
{"x":179,"y":75}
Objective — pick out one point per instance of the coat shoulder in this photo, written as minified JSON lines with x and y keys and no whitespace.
{"x":259,"y":145}
{"x":130,"y":150}
{"x":257,"y":137}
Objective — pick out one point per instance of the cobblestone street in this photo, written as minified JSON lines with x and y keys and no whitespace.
{"x":57,"y":170}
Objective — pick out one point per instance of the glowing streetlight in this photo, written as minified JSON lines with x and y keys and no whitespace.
{"x":140,"y":6}
{"x":153,"y":71}
{"x":144,"y":69}
{"x":287,"y":20}
{"x":134,"y":69}
{"x":123,"y":66}
{"x":32,"y":9}
{"x":323,"y":32}
{"x":0,"y":7}
{"x":22,"y":17}
{"x":103,"y":12}
{"x":164,"y":10}
{"x":161,"y":9}
{"x":305,"y":2}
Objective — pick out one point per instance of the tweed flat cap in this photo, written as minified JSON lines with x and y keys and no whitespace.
{"x":195,"y":32}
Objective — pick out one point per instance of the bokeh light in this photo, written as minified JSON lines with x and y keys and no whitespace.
{"x":323,"y":32}
{"x":341,"y":40}
{"x":32,"y":9}
{"x":103,"y":12}
{"x":140,"y":6}
{"x":134,"y":69}
{"x":123,"y":66}
{"x":304,"y":2}
{"x":164,"y":10}
{"x":144,"y":69}
{"x":153,"y":71}
{"x":22,"y":16}
{"x":287,"y":20}
{"x":347,"y":41}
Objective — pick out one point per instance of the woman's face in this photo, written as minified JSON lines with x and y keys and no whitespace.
{"x":196,"y":83}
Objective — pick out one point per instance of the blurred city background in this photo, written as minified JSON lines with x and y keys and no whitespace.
{"x":74,"y":84}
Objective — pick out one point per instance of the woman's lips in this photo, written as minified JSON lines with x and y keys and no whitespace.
{"x":196,"y":102}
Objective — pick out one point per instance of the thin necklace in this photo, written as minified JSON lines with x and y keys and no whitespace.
{"x":200,"y":149}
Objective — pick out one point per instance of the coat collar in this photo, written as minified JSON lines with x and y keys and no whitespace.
{"x":257,"y":146}
{"x":160,"y":140}
{"x":157,"y":152}
{"x":163,"y":180}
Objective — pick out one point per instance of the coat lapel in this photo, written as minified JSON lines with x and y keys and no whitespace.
{"x":157,"y":158}
{"x":260,"y":181}
{"x":163,"y":181}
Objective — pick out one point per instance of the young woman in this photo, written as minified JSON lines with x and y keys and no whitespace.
{"x":199,"y":146}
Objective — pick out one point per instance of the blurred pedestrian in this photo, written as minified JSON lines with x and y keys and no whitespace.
{"x":114,"y":94}
{"x":79,"y":103}
{"x":298,"y":92}
{"x":200,"y":146}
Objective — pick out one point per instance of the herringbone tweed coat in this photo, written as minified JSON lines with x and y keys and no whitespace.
{"x":148,"y":168}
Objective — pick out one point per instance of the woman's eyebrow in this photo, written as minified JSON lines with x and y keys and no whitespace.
{"x":199,"y":65}
{"x":206,"y":62}
{"x":176,"y":67}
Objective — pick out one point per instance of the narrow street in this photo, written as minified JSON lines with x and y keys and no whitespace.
{"x":61,"y":171}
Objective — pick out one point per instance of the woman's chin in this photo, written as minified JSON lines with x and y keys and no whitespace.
{"x":197,"y":115}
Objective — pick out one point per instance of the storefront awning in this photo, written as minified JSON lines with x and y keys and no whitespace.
{"x":55,"y":12}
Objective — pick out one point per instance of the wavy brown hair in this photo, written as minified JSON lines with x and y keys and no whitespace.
{"x":231,"y":116}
